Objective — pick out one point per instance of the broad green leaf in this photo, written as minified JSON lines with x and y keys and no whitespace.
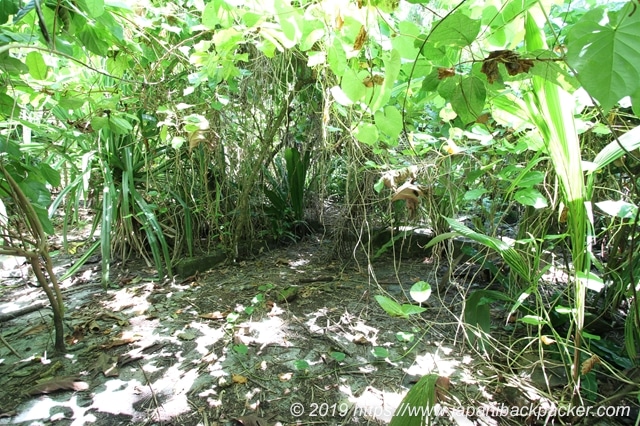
{"x":8,"y":106}
{"x":590,"y":280}
{"x":94,"y":8}
{"x":511,"y":10}
{"x":119,"y":125}
{"x":12,"y":65}
{"x":389,"y":121}
{"x":210,"y":16}
{"x":367,"y":133}
{"x":380,"y":352}
{"x":250,"y":19}
{"x":337,"y":58}
{"x":290,"y":21}
{"x":338,"y":356}
{"x":352,"y":85}
{"x":603,"y":48}
{"x":468,"y":99}
{"x":8,"y":8}
{"x":94,"y":40}
{"x":37,"y":68}
{"x":43,"y":216}
{"x":394,"y":309}
{"x":312,"y":32}
{"x":621,"y":209}
{"x":456,"y":30}
{"x":390,"y":306}
{"x":51,"y":175}
{"x":530,"y":179}
{"x":420,"y":291}
{"x":404,"y":42}
{"x":474,"y":194}
{"x":98,"y":123}
{"x":408,"y":309}
{"x":118,"y":66}
{"x":530,"y":197}
{"x":217,"y":13}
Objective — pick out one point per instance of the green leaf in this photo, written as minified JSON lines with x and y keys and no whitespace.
{"x":338,"y":356}
{"x":403,"y":336}
{"x":12,"y":65}
{"x":352,"y":85}
{"x":468,"y":99}
{"x":530,"y":197}
{"x":621,"y":209}
{"x":630,"y":141}
{"x":533,"y":320}
{"x":337,"y":58}
{"x":421,"y":398}
{"x":390,"y":306}
{"x":380,"y":352}
{"x":509,"y":254}
{"x":389,"y":121}
{"x":603,"y":48}
{"x":394,"y":309}
{"x":8,"y":106}
{"x":51,"y":175}
{"x":94,"y":8}
{"x":210,"y":16}
{"x":530,"y":179}
{"x":93,"y":40}
{"x":8,"y":8}
{"x":367,"y":133}
{"x":456,"y":30}
{"x":404,"y":42}
{"x":420,"y":291}
{"x":474,"y":194}
{"x":37,"y":68}
{"x":119,"y":125}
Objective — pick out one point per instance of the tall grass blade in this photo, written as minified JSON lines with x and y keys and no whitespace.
{"x":550,"y":110}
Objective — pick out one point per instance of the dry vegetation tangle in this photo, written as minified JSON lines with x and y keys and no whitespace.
{"x":172,"y":352}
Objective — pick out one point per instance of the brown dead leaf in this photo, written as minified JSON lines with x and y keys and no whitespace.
{"x":360,"y":339}
{"x":588,"y":365}
{"x":119,"y":342}
{"x":252,"y":420}
{"x":58,"y":383}
{"x":106,"y":364}
{"x":125,"y":359}
{"x":339,"y":22}
{"x":511,"y":60}
{"x":483,"y":118}
{"x":442,"y":388}
{"x":285,"y":377}
{"x":360,"y":39}
{"x":547,"y":340}
{"x":446,"y":73}
{"x":410,"y":193}
{"x":373,"y":80}
{"x":34,"y":330}
{"x":217,"y":315}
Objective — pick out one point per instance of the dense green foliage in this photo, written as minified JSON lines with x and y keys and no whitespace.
{"x":190,"y":125}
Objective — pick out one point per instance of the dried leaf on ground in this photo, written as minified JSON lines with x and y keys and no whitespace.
{"x":58,"y":383}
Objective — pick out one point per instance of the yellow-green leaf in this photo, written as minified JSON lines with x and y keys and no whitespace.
{"x":37,"y":68}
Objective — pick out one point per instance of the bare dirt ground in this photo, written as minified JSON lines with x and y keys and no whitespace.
{"x":293,"y":336}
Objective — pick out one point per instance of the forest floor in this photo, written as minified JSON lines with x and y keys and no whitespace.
{"x":292,"y":336}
